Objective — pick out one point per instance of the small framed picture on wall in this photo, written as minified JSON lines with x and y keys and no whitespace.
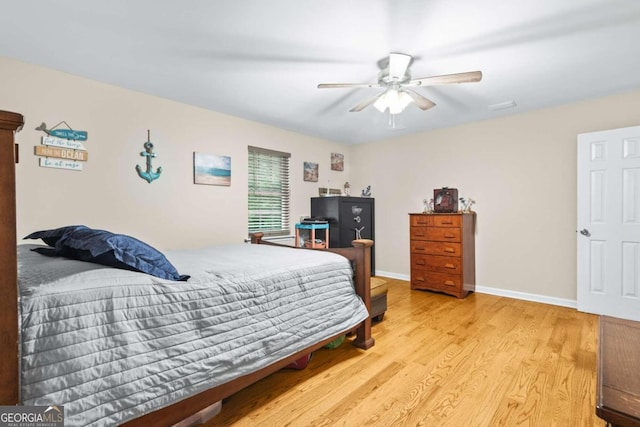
{"x":337,"y":162}
{"x":310,"y":172}
{"x":210,"y":169}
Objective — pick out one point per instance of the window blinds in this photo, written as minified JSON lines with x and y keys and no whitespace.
{"x":268,"y":192}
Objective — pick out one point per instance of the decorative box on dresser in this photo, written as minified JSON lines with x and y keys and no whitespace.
{"x":346,"y":215}
{"x":443,"y":252}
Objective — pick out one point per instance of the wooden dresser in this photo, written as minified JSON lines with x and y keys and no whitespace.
{"x":443,"y":252}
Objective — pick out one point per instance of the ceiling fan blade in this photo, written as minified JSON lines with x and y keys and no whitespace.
{"x":468,"y":77}
{"x":339,"y":85}
{"x":420,"y":100}
{"x":398,"y":64}
{"x":364,"y":104}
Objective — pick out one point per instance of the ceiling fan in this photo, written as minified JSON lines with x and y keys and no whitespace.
{"x":395,"y":79}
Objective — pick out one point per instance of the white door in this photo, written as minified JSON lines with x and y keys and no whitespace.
{"x":609,"y":222}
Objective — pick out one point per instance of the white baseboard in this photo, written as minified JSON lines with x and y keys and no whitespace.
{"x":501,"y":292}
{"x":393,"y":275}
{"x":544,"y":299}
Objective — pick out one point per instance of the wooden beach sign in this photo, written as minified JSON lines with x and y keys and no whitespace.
{"x":71,"y":134}
{"x":62,"y":143}
{"x":61,"y":153}
{"x":47,"y":162}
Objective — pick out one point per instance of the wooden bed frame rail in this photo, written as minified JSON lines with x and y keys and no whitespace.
{"x":360,"y":257}
{"x":179,"y":412}
{"x":188,"y":411}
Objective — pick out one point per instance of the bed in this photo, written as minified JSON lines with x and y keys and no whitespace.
{"x":185,"y":387}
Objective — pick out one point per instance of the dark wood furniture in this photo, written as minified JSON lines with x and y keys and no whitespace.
{"x":443,"y":252}
{"x":345,"y":215}
{"x":190,"y":410}
{"x":618,"y":388}
{"x":9,"y":369}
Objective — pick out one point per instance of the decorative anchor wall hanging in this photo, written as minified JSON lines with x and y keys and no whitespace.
{"x":148,"y":175}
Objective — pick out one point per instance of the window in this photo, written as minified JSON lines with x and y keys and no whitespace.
{"x":268,"y":192}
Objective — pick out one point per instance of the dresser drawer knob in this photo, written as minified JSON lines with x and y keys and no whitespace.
{"x":447,"y":222}
{"x":420,"y":262}
{"x":450,"y":250}
{"x":449,"y":283}
{"x":449,"y":265}
{"x":419,"y":248}
{"x":449,"y":236}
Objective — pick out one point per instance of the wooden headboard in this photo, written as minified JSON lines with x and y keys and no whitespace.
{"x":9,"y":369}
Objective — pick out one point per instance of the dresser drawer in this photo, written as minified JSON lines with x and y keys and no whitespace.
{"x":446,"y":220}
{"x":418,"y":233}
{"x":421,"y":220}
{"x":424,"y":279}
{"x":439,"y":264}
{"x":436,"y":248}
{"x":419,"y":279}
{"x":443,"y":281}
{"x":443,"y":234}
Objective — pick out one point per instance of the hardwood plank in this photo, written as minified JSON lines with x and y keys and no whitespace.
{"x":440,"y":361}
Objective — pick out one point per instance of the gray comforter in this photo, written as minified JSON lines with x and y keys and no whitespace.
{"x":112,"y":344}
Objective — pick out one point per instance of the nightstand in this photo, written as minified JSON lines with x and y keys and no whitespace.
{"x":312,"y":238}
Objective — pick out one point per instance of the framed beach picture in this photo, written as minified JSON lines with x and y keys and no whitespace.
{"x":310,"y":171}
{"x":337,"y":162}
{"x":210,"y":169}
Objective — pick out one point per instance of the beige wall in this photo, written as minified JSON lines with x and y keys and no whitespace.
{"x":171,"y":212}
{"x":520,"y":169}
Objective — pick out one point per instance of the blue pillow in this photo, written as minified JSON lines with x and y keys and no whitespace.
{"x":113,"y":250}
{"x":51,"y":237}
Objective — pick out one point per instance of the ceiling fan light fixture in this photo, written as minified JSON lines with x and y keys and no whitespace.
{"x":383,"y":102}
{"x":395,"y":78}
{"x":404,"y":99}
{"x":393,"y":99}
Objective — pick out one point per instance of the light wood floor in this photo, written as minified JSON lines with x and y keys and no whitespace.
{"x":440,"y":361}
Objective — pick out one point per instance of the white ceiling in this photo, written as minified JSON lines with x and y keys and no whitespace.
{"x":261,"y":60}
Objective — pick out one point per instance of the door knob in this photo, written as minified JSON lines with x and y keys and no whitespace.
{"x":585,"y":232}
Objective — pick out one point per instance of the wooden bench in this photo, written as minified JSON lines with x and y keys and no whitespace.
{"x":379,"y":289}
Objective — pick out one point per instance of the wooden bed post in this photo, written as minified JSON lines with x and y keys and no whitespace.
{"x":363,"y":339}
{"x":9,"y":367}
